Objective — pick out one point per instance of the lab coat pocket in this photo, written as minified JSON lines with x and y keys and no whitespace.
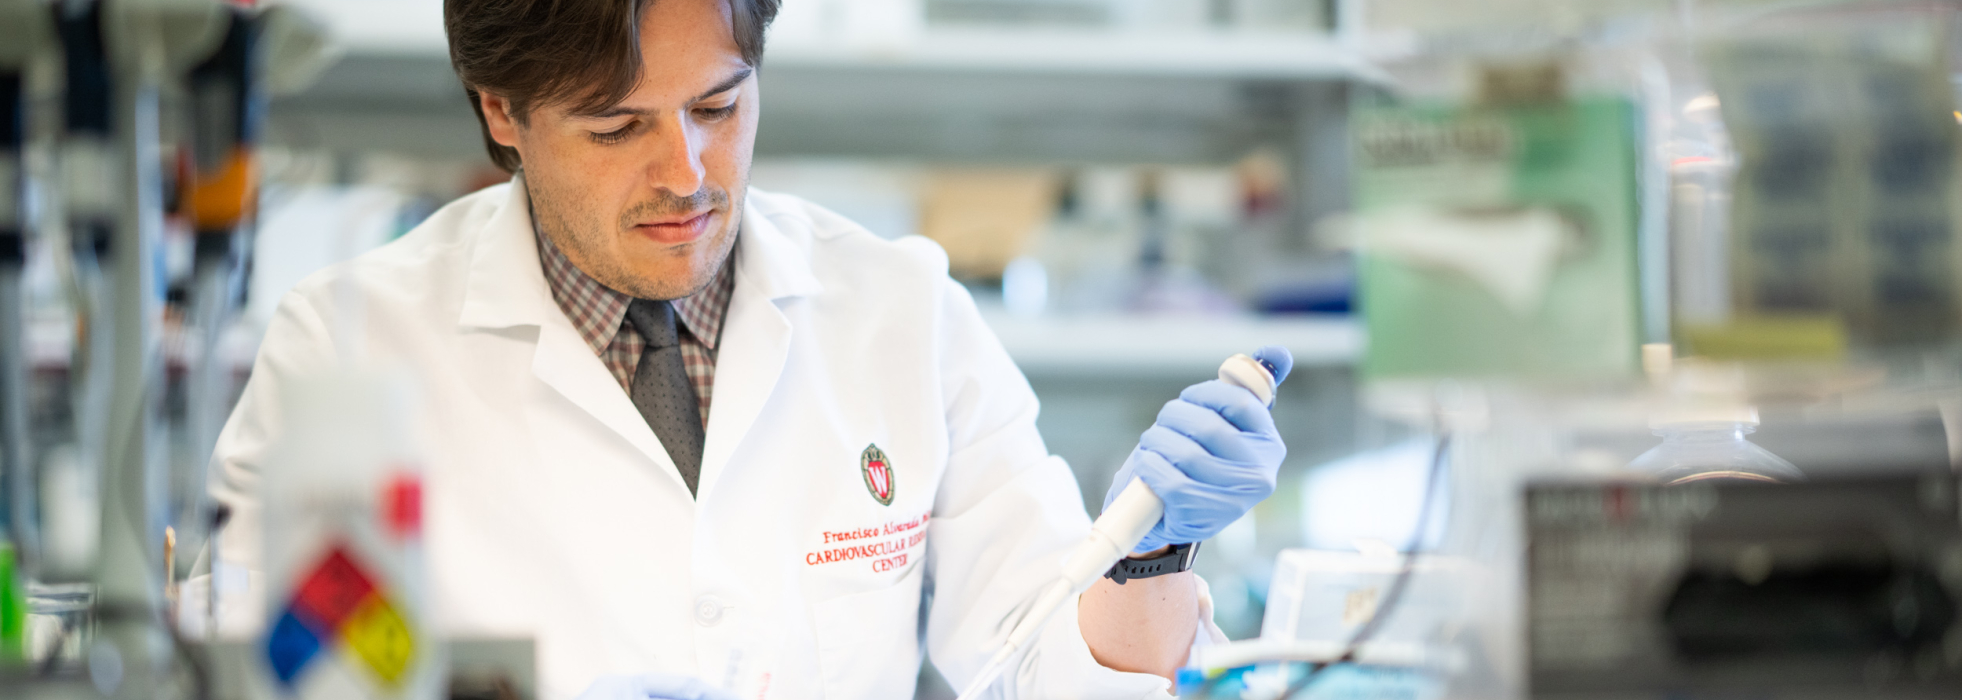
{"x":869,"y":642}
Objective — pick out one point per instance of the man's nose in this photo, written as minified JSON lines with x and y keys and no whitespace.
{"x":675,"y":163}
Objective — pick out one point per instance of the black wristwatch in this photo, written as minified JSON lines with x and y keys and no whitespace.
{"x":1172,"y":562}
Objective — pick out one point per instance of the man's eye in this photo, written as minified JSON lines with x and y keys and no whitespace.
{"x":614,"y":136}
{"x":716,"y":113}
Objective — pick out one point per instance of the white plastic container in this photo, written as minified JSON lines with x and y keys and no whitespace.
{"x":346,"y":615}
{"x":1320,"y":596}
{"x":1712,"y":445}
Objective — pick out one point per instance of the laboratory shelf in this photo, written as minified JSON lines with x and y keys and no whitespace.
{"x":407,"y":27}
{"x":1116,"y":346}
{"x":415,"y":27}
{"x":943,"y":95}
{"x":1194,"y":53}
{"x":963,"y":95}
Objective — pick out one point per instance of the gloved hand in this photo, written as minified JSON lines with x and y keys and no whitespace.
{"x":1212,"y":455}
{"x":653,"y":686}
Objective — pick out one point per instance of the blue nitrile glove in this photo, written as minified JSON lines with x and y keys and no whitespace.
{"x":1212,"y":455}
{"x":653,"y":686}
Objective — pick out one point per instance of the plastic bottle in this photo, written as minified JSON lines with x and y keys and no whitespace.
{"x":13,"y":610}
{"x":346,"y":613}
{"x":1711,"y":444}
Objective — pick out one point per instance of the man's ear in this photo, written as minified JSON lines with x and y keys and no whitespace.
{"x":498,"y":117}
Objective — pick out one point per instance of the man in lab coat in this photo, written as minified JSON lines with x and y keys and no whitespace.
{"x":697,"y":439}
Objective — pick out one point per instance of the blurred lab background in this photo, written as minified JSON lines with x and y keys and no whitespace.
{"x":1574,"y":236}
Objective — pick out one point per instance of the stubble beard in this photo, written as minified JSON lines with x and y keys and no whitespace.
{"x":585,"y":243}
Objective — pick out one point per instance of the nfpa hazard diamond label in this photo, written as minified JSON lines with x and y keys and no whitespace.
{"x":339,"y":601}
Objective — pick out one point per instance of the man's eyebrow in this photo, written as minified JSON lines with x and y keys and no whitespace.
{"x":724,"y":86}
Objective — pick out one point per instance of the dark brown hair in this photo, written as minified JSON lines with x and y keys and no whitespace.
{"x":583,"y":52}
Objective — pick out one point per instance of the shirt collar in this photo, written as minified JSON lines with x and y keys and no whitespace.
{"x":703,"y":311}
{"x":597,"y":310}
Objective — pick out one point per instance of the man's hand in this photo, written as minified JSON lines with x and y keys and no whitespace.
{"x":653,"y":686}
{"x":1211,"y":457}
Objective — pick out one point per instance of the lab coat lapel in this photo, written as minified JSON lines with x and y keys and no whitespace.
{"x":507,"y":288}
{"x":771,"y":269}
{"x":567,"y":364}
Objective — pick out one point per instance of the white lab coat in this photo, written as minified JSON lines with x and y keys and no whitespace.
{"x":553,"y":512}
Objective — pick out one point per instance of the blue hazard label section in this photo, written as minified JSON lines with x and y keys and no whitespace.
{"x":290,"y":646}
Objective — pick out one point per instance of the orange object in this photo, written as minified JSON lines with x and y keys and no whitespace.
{"x":221,"y":200}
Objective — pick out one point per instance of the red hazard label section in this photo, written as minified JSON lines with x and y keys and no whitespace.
{"x":332,"y":592}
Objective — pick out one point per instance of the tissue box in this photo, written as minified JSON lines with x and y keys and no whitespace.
{"x":1498,"y":240}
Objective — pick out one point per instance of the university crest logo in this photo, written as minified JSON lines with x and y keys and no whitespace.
{"x":878,"y":473}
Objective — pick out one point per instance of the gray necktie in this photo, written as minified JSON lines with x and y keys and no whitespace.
{"x":662,"y":391}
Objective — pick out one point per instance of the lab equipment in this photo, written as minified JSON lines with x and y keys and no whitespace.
{"x":1372,"y":588}
{"x":1323,"y":598}
{"x":1123,"y":524}
{"x":87,"y":188}
{"x":493,"y":668}
{"x":119,"y":62}
{"x":1845,"y":135}
{"x":23,"y":30}
{"x":134,"y":48}
{"x":57,"y":626}
{"x":1713,"y":446}
{"x":1341,"y":625}
{"x":1836,"y":587}
{"x":219,"y":195}
{"x":1347,"y":682}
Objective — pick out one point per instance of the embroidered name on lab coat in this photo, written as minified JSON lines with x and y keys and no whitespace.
{"x":889,"y":545}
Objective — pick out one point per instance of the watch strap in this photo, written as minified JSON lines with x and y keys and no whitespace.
{"x":1179,"y":559}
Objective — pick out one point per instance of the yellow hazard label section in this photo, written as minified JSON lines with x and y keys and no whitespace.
{"x":381,"y":638}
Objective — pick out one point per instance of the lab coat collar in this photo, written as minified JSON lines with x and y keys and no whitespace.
{"x":769,"y":261}
{"x":506,"y":286}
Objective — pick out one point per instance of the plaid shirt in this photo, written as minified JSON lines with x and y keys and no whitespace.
{"x":600,"y":314}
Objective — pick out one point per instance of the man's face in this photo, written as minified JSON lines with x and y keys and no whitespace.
{"x":646,"y":196}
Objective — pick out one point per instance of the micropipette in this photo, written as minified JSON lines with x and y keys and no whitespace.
{"x":1112,"y":536}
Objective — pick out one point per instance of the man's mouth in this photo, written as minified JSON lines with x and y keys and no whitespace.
{"x":675,"y":230}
